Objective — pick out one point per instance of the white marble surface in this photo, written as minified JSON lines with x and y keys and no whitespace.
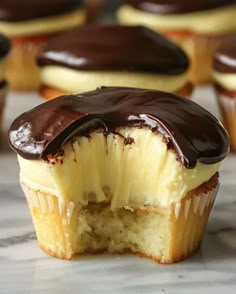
{"x":24,"y":268}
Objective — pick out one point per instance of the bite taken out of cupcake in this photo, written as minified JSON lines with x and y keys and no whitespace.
{"x":119,"y":169}
{"x":197,"y":25}
{"x":29,"y":25}
{"x":112,"y":55}
{"x":4,"y":50}
{"x":224,"y":74}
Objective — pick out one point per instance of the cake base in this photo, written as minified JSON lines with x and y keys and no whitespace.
{"x":166,"y":235}
{"x":22,"y":71}
{"x":227,"y":105}
{"x":200,"y":49}
{"x":49,"y":93}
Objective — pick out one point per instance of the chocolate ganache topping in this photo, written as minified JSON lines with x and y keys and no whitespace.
{"x":225,"y":56}
{"x":192,"y":131}
{"x":113,"y":47}
{"x":21,"y":10}
{"x":4,"y":46}
{"x":180,"y":6}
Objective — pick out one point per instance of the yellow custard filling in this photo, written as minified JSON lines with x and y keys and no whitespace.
{"x":46,"y":25}
{"x":225,"y":80}
{"x":75,"y":81}
{"x":101,"y":168}
{"x":215,"y":21}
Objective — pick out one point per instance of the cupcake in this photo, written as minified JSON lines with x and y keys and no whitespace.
{"x":119,"y":169}
{"x":198,"y":26}
{"x":224,"y":74}
{"x":111,"y":55}
{"x":4,"y":49}
{"x":29,"y":24}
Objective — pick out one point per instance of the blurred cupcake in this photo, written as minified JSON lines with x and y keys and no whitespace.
{"x":198,"y":26}
{"x":29,"y":24}
{"x":224,"y":73}
{"x":4,"y":49}
{"x":111,"y":55}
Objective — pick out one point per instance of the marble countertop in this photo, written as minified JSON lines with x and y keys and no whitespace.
{"x":24,"y":268}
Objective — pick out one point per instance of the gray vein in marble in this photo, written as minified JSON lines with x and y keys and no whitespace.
{"x":15,"y":240}
{"x":225,"y":229}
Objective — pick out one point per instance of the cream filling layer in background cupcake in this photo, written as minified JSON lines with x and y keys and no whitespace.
{"x":2,"y":68}
{"x":225,"y":80}
{"x":102,"y":168}
{"x":215,"y":21}
{"x":74,"y":81}
{"x":45,"y":25}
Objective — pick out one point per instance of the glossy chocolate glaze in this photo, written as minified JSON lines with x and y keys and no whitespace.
{"x":225,"y":56}
{"x":21,"y":10}
{"x":180,"y":6}
{"x":193,"y":132}
{"x":117,"y":48}
{"x":4,"y":46}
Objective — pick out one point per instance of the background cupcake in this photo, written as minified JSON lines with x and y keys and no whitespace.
{"x":4,"y":49}
{"x":29,"y":24}
{"x":224,"y":73}
{"x":112,"y":55}
{"x":198,"y":26}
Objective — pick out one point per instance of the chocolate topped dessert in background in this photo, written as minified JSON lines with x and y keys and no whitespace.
{"x":112,"y":55}
{"x":29,"y":25}
{"x":197,"y":26}
{"x":224,"y":73}
{"x":118,"y":48}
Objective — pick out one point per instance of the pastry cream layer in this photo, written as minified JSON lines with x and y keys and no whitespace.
{"x":103,"y":168}
{"x":226,"y":80}
{"x":2,"y":68}
{"x":46,"y":25}
{"x":74,"y":81}
{"x":215,"y":21}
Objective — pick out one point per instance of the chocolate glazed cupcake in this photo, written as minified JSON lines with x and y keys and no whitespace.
{"x":197,"y":25}
{"x":224,"y":73}
{"x":119,"y":169}
{"x":111,"y":55}
{"x":4,"y":49}
{"x":29,"y":24}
